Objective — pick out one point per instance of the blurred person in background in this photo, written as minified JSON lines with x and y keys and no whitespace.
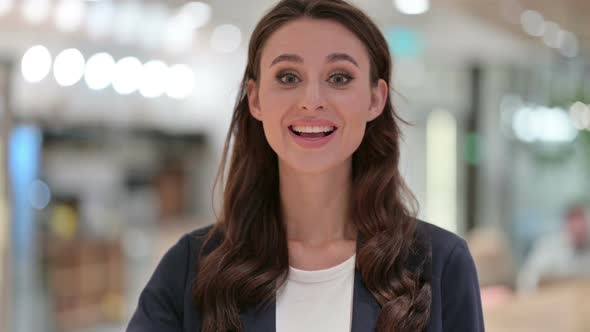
{"x":316,"y":232}
{"x":561,"y":256}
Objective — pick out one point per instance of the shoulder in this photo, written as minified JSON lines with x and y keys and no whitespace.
{"x":188,"y":243}
{"x":161,"y":305}
{"x":455,"y":287}
{"x":439,"y":238}
{"x":446,"y":247}
{"x":177,"y":265}
{"x":180,"y":257}
{"x":197,"y":237}
{"x":200,"y":241}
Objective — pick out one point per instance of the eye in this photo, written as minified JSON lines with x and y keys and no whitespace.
{"x":288,"y":78}
{"x":340,"y":79}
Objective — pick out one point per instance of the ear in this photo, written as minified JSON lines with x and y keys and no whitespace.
{"x":253,"y":100}
{"x":379,"y":94}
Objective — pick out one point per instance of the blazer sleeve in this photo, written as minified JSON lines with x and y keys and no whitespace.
{"x":461,"y":300}
{"x":160,"y":306}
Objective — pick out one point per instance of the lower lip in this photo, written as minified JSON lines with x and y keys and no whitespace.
{"x":312,"y":143}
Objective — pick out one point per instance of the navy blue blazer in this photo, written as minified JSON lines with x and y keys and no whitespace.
{"x":166,"y":304}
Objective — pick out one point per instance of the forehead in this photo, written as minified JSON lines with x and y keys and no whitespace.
{"x":313,"y":40}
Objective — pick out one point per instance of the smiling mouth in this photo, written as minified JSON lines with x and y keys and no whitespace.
{"x":312,"y":132}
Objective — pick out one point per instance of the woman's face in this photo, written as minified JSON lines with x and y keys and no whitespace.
{"x":314,"y":96}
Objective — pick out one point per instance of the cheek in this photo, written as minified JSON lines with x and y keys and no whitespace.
{"x":354,"y":111}
{"x":356,"y":132}
{"x":272,"y":129}
{"x":274,"y":109}
{"x":274,"y":102}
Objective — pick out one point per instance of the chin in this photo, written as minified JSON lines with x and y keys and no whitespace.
{"x":312,"y":165}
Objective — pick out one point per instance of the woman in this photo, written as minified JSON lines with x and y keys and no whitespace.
{"x":316,"y":232}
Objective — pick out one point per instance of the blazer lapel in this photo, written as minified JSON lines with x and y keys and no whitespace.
{"x":365,"y":308}
{"x":262,"y":319}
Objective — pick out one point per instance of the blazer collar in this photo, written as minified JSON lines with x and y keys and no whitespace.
{"x":365,"y":310}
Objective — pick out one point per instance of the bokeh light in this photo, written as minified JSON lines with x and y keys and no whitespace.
{"x":180,"y":82}
{"x":195,"y":14}
{"x":569,"y":44}
{"x":178,"y":36}
{"x":36,"y":11}
{"x":153,"y":81}
{"x":226,"y":38}
{"x":99,"y":19}
{"x":412,"y":7}
{"x":36,"y":63}
{"x":68,"y":67}
{"x":39,"y":195}
{"x":552,"y":35}
{"x":99,"y":71}
{"x":533,"y":23}
{"x":127,"y":21}
{"x":580,"y":115}
{"x":542,"y":124}
{"x":127,"y":75}
{"x":69,"y":14}
{"x":154,"y":26}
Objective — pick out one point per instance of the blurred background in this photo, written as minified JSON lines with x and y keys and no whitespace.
{"x":113,"y":115}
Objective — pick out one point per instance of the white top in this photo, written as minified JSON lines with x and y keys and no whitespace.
{"x":316,"y":300}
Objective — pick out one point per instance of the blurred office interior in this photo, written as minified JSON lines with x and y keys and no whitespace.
{"x":113,"y":114}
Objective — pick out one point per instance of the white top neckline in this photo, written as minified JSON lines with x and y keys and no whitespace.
{"x":316,"y":276}
{"x":317,"y":301}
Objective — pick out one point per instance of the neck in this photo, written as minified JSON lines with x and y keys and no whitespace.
{"x":315,"y":206}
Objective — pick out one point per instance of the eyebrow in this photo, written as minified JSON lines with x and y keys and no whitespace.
{"x":334,"y":57}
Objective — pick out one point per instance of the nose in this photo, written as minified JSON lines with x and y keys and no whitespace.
{"x":312,"y":98}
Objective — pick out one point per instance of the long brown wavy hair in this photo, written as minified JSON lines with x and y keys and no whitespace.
{"x":252,"y":261}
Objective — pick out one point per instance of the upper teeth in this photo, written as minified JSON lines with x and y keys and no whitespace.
{"x":313,"y":129}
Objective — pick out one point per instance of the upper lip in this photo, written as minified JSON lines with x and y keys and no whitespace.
{"x":313,"y":123}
